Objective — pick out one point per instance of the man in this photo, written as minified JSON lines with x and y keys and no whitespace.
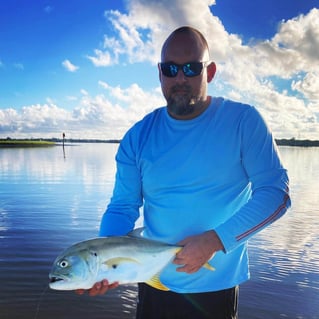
{"x":208,"y":175}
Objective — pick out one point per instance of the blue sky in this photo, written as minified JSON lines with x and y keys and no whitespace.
{"x":88,"y":68}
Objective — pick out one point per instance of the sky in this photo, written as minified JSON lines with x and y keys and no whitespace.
{"x":88,"y":68}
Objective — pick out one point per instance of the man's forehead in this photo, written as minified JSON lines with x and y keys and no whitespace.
{"x":183,"y":45}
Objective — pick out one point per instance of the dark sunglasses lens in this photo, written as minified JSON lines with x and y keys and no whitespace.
{"x":192,"y":69}
{"x":189,"y":69}
{"x":169,"y":69}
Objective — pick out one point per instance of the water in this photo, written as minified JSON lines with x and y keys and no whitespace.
{"x":48,"y":202}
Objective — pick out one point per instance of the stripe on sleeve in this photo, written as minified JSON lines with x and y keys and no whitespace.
{"x":270,"y":219}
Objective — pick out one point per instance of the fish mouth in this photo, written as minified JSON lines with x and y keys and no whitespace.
{"x":54,"y":279}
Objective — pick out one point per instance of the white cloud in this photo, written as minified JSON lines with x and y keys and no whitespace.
{"x":84,"y":92}
{"x":308,"y":86}
{"x":292,"y":50}
{"x":101,"y":58}
{"x":93,"y":117}
{"x":71,"y":98}
{"x":103,"y":85}
{"x":32,"y":119}
{"x":301,"y":35}
{"x":8,"y":120}
{"x":280,"y":76}
{"x":49,"y":100}
{"x":142,"y":31}
{"x":69,"y":66}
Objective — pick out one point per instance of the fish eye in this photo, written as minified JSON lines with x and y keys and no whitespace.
{"x":63,"y":264}
{"x":93,"y":253}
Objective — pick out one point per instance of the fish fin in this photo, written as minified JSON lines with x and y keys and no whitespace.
{"x":209,"y":267}
{"x":114,"y":262}
{"x":177,"y":249}
{"x":155,"y":282}
{"x":137,"y":232}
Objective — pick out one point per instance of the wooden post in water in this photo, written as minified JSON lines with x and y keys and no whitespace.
{"x":63,"y":139}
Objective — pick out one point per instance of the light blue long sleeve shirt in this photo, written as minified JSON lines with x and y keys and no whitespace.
{"x":220,"y":171}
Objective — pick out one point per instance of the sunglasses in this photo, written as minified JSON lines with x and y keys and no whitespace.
{"x":190,"y":69}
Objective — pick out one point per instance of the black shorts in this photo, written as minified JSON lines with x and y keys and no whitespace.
{"x":158,"y":304}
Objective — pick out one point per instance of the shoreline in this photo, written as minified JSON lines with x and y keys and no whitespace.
{"x":56,"y":141}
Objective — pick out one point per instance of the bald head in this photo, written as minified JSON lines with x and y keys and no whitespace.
{"x":192,"y":36}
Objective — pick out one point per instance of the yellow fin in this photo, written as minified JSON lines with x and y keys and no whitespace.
{"x":178,"y":249}
{"x":209,"y":267}
{"x":114,"y":262}
{"x":156,"y":283}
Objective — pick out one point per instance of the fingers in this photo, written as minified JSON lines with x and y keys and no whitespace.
{"x":187,"y":266}
{"x":80,"y":291}
{"x":196,"y":251}
{"x":99,"y":288}
{"x":189,"y":269}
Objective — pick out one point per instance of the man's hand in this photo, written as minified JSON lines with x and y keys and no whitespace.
{"x":100,"y":288}
{"x":197,"y":250}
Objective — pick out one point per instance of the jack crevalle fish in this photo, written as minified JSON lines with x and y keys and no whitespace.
{"x":123,"y":259}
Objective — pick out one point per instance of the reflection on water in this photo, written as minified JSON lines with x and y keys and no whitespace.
{"x":285,"y":256}
{"x":48,"y":202}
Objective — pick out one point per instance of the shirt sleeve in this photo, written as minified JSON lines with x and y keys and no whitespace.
{"x":269,"y":184}
{"x":123,"y":209}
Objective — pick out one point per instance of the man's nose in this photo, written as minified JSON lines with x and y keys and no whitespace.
{"x":180,"y":76}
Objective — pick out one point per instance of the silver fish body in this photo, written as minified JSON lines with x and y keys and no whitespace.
{"x":122,"y":259}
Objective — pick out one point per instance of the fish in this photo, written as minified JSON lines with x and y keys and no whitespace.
{"x":123,"y":259}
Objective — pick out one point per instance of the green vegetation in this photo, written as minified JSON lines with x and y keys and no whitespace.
{"x":25,"y":143}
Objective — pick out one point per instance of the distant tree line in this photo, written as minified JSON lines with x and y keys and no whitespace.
{"x":294,"y":142}
{"x":80,"y":140}
{"x":60,"y":140}
{"x":286,"y":142}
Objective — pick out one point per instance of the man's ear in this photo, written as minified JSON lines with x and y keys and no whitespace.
{"x":211,"y":70}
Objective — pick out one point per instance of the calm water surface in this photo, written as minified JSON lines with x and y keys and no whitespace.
{"x":48,"y":202}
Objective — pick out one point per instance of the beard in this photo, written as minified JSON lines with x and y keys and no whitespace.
{"x":181,"y":101}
